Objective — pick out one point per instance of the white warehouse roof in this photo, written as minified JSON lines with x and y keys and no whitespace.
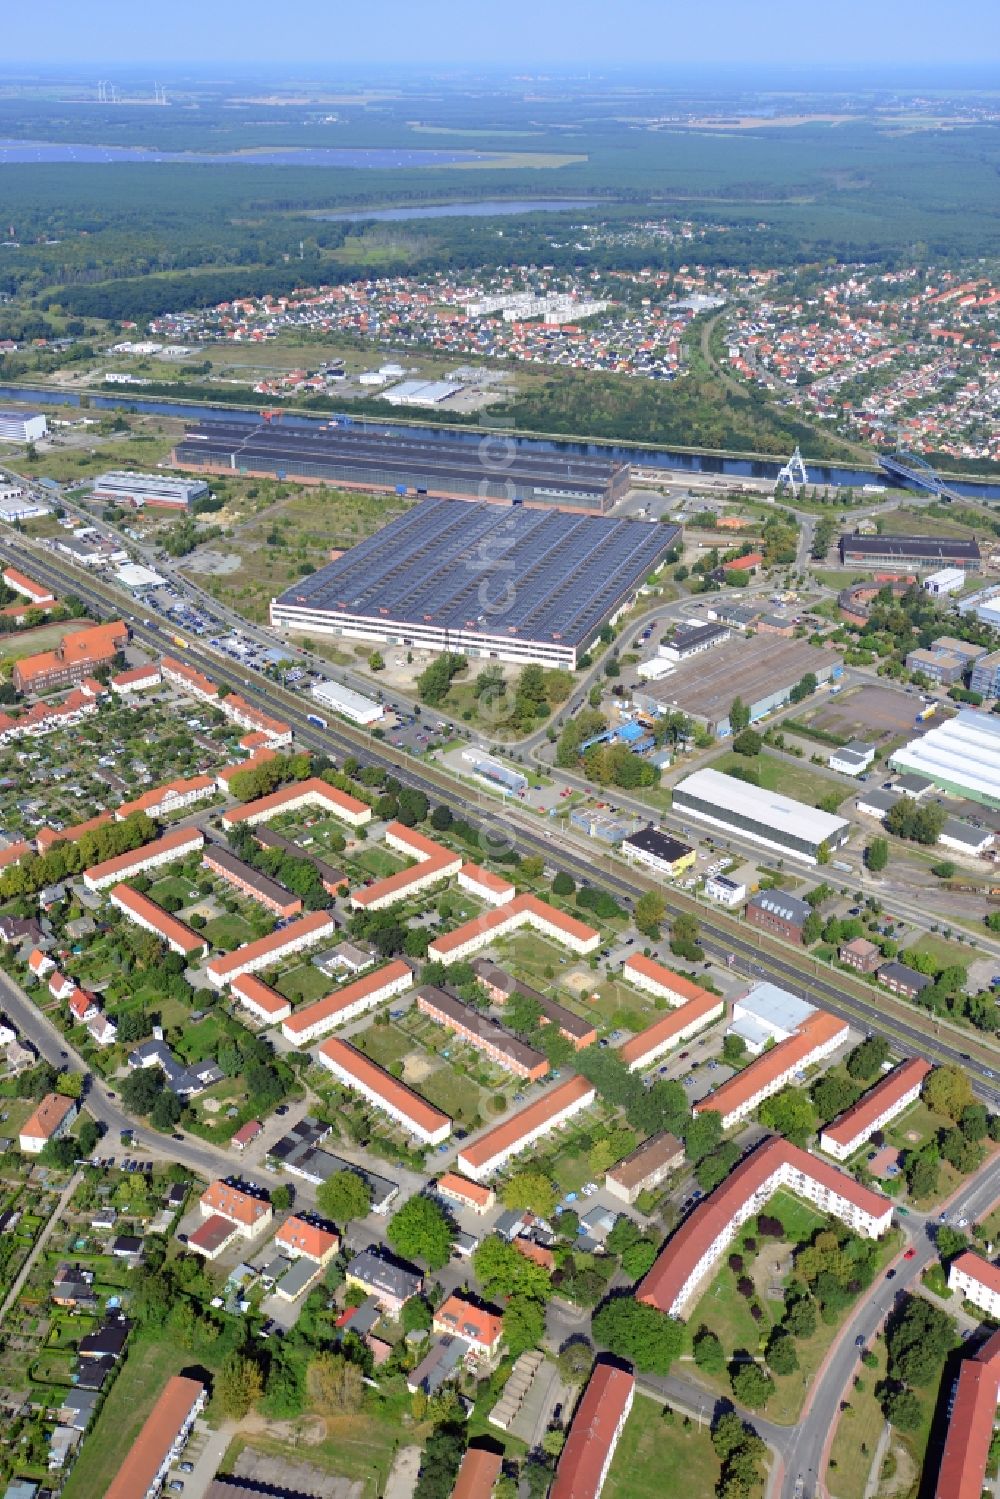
{"x":963,"y":752}
{"x":345,"y":700}
{"x":782,"y":813}
{"x":774,"y":1007}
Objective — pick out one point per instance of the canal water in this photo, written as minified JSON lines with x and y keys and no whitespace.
{"x":649,"y":458}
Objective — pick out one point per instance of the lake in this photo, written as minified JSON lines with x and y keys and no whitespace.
{"x":482,"y":209}
{"x":35,"y":153}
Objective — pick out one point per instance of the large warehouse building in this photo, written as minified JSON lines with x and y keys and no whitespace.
{"x":165,"y":491}
{"x":761,"y":671}
{"x":765,"y":817}
{"x":512,"y":585}
{"x":903,"y":553}
{"x":961,"y":755}
{"x":430,"y":464}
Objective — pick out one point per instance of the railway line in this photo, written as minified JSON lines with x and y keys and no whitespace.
{"x":724,"y":938}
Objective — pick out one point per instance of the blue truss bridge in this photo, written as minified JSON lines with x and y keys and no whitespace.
{"x":913,"y":472}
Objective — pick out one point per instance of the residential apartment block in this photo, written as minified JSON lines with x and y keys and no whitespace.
{"x":486,"y":1154}
{"x":694,"y":1250}
{"x":889,"y":1097}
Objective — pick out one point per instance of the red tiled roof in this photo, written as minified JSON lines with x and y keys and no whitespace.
{"x":478,"y":1474}
{"x":496,"y":921}
{"x":136,"y":674}
{"x":249,"y":986}
{"x":179,"y":840}
{"x":460,"y":1186}
{"x":466,"y":1320}
{"x":45,"y":838}
{"x":48,"y":1116}
{"x":593,"y":1433}
{"x":14,"y":853}
{"x":978,"y":1268}
{"x":380,"y":1082}
{"x":94,"y":645}
{"x":80,"y":1002}
{"x":259,"y":757}
{"x":307,"y":1238}
{"x":247,"y":1132}
{"x":23,"y":584}
{"x":486,"y":878}
{"x":212,"y":1234}
{"x":147,"y":1453}
{"x":685,"y":1248}
{"x":536,"y":1252}
{"x":313,"y":787}
{"x":190,"y":675}
{"x":814,"y":1031}
{"x":962,"y":1474}
{"x":668,"y":1026}
{"x":502,"y":1136}
{"x":168,"y":926}
{"x":874,"y":1103}
{"x":305,"y":926}
{"x":308,"y":1016}
{"x":157,"y":794}
{"x":232,"y":1202}
{"x":668,"y":980}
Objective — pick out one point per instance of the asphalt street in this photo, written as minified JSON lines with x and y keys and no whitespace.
{"x":512,"y":826}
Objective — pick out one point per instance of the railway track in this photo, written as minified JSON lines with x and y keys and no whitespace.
{"x":724,"y":938}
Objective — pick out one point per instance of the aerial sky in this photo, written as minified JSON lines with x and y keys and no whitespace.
{"x":532,"y":33}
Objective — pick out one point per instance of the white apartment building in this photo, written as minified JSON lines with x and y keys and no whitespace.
{"x":311,"y":793}
{"x":693,"y":1252}
{"x":492,"y":1150}
{"x":315,"y":1020}
{"x":743,"y":1093}
{"x":670,"y":1030}
{"x":252,"y":956}
{"x":174,"y":845}
{"x":855,"y":1127}
{"x":486,"y":885}
{"x":524,"y":910}
{"x":265,"y":1003}
{"x":976,"y":1280}
{"x":353,"y":1070}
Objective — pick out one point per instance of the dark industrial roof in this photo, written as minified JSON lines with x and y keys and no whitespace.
{"x":516,"y":572}
{"x":660,"y":845}
{"x":432,"y":461}
{"x":934,"y":547}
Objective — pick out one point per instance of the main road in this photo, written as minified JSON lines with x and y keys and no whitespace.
{"x":806,"y":1450}
{"x":512,"y":827}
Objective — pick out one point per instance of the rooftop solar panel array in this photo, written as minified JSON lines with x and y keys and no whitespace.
{"x":493,"y":468}
{"x":533,"y":574}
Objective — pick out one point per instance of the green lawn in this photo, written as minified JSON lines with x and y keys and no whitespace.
{"x":360,"y":1448}
{"x":378,"y":861}
{"x":727,"y":1313}
{"x":621,"y":1007}
{"x":919,"y":1121}
{"x":303,"y":984}
{"x":385,"y":1044}
{"x":149,"y":1363}
{"x":173,"y":885}
{"x":791,"y":779}
{"x":858,"y":1435}
{"x":655,"y":1457}
{"x":227,"y":932}
{"x":940,"y":949}
{"x":199,"y":1041}
{"x":31,"y":642}
{"x":456,"y":1096}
